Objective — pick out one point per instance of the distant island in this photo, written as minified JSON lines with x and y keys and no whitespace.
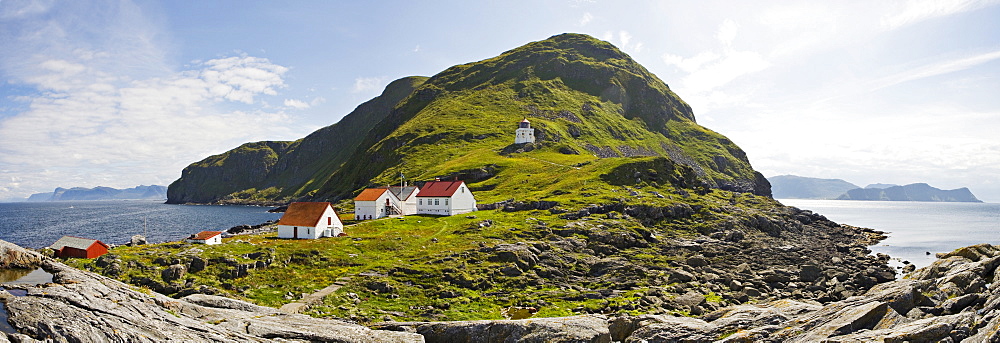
{"x":911,"y":192}
{"x":799,"y":187}
{"x":153,"y":192}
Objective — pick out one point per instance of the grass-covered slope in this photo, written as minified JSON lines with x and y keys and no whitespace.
{"x":589,"y":103}
{"x":267,"y":172}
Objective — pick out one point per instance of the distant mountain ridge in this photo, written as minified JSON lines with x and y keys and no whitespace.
{"x":800,"y":187}
{"x":911,"y":192}
{"x":152,"y":192}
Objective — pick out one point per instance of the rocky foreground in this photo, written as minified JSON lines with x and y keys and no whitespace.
{"x":955,"y":299}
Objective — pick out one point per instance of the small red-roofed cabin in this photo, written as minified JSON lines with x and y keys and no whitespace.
{"x":206,"y":237}
{"x":310,"y":220}
{"x":445,"y":198}
{"x":69,"y":246}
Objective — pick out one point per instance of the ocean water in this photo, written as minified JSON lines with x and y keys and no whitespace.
{"x":914,"y":228}
{"x":39,"y":224}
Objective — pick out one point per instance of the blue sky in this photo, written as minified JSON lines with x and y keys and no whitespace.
{"x":122,"y":93}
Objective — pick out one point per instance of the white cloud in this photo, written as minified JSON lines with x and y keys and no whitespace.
{"x":110,"y":112}
{"x":935,"y":69}
{"x":727,"y":32}
{"x":367,"y":84}
{"x":707,"y":72}
{"x":586,"y":18}
{"x":912,"y":11}
{"x":296,"y":104}
{"x":624,"y":37}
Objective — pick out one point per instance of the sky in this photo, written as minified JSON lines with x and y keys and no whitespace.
{"x":122,"y":93}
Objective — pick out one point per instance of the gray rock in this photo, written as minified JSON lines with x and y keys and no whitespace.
{"x":587,"y":328}
{"x":82,"y":306}
{"x":810,"y":273}
{"x":697,"y":261}
{"x":137,"y":240}
{"x":174,"y":272}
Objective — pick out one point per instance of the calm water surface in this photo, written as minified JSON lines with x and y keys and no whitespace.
{"x":914,"y":228}
{"x":39,"y":224}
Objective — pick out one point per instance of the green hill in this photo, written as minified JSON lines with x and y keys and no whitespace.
{"x":593,"y":108}
{"x":624,"y":205}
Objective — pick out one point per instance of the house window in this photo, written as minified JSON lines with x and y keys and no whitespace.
{"x":421,"y":201}
{"x":437,"y":202}
{"x":462,"y":189}
{"x":446,"y":202}
{"x":329,"y":220}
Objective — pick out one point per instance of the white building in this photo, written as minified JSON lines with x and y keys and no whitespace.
{"x":375,"y":203}
{"x":407,"y":196}
{"x":524,"y":133}
{"x":445,"y":198}
{"x":206,"y":237}
{"x":310,"y":220}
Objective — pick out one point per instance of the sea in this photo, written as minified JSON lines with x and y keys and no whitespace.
{"x":39,"y":224}
{"x":917,"y":230}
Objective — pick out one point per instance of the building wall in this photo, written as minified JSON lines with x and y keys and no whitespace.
{"x":461,"y":202}
{"x":94,"y":251}
{"x":524,"y":135}
{"x":440,"y":206}
{"x":410,"y":206}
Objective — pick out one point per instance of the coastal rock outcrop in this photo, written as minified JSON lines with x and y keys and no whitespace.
{"x":80,"y":306}
{"x":955,"y":299}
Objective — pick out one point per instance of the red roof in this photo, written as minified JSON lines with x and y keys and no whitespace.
{"x":370,"y":194}
{"x":439,"y":189}
{"x":304,"y":213}
{"x":205,"y":235}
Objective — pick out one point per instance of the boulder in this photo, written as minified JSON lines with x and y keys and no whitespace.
{"x":137,"y":240}
{"x":586,"y":328}
{"x":174,"y":272}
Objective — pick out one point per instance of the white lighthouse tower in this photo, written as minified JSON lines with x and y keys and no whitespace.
{"x":524,"y":134}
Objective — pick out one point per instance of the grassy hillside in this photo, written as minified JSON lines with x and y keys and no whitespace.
{"x":587,"y":100}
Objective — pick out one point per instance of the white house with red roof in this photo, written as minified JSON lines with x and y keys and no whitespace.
{"x":205,"y":237}
{"x":375,"y":203}
{"x":310,"y":220}
{"x":445,"y":198}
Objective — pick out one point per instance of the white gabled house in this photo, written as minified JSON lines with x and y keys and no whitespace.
{"x":445,"y":198}
{"x":407,"y":196}
{"x":310,"y":220}
{"x":205,"y":237}
{"x":375,"y":203}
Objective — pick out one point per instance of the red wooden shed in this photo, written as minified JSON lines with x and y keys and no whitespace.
{"x":69,"y":246}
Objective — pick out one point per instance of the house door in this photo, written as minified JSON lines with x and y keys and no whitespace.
{"x":295,"y":232}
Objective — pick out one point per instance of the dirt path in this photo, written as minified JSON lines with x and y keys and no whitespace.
{"x":314,"y":298}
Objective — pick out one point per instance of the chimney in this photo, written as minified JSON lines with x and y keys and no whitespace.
{"x":437,"y":179}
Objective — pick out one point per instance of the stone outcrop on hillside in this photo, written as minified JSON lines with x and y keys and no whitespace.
{"x":80,"y":306}
{"x":955,"y":299}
